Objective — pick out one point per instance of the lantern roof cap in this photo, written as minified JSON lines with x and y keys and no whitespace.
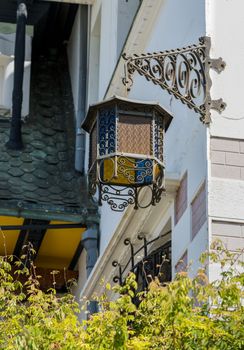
{"x":91,"y":114}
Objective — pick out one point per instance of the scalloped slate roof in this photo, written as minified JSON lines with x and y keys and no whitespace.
{"x":40,"y":181}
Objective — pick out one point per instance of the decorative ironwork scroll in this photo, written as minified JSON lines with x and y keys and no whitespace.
{"x":117,"y":198}
{"x":184,"y":73}
{"x":107,"y":131}
{"x":154,"y":264}
{"x":120,"y":197}
{"x":126,"y":162}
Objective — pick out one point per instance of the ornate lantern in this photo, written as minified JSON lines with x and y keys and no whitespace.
{"x":126,"y":151}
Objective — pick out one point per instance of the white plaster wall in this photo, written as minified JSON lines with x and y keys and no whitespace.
{"x":180,"y":24}
{"x":82,"y":274}
{"x":224,"y":24}
{"x":4,"y":63}
{"x":103,"y":58}
{"x":186,"y":138}
{"x":94,"y":58}
{"x":7,"y":66}
{"x":7,"y":42}
{"x":108,"y":44}
{"x":226,"y":200}
{"x":126,"y":13}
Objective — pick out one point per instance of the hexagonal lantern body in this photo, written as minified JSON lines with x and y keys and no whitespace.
{"x":126,"y":150}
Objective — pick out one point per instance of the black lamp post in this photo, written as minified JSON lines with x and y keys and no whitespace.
{"x":15,"y":139}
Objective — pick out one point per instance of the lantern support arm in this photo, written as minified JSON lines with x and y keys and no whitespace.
{"x":183,"y":73}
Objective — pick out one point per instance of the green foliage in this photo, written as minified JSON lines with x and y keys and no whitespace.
{"x":186,"y":314}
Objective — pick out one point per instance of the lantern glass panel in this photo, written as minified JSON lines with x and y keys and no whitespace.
{"x":107,"y":131}
{"x":122,"y":170}
{"x":93,"y":146}
{"x":158,"y":137}
{"x":134,"y":134}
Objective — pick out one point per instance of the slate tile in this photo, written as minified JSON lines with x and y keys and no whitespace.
{"x":61,"y":146}
{"x":38,"y":144}
{"x":37,"y":135}
{"x":15,"y":172}
{"x":32,"y":195}
{"x":13,"y":153}
{"x":3,"y":185}
{"x":42,"y":192}
{"x":62,"y":156}
{"x":15,"y":181}
{"x":45,"y":104}
{"x":15,"y":162}
{"x":52,"y":160}
{"x":26,"y":158}
{"x":4,"y":157}
{"x":47,"y":113}
{"x":55,"y":189}
{"x":4,"y":166}
{"x":48,"y":132}
{"x":51,"y":150}
{"x":41,"y":174}
{"x":52,"y":169}
{"x":69,"y":195}
{"x":4,"y":194}
{"x":16,"y":190}
{"x":67,"y":176}
{"x":42,"y":183}
{"x":38,"y":154}
{"x":28,"y":178}
{"x":70,"y":201}
{"x":55,"y":197}
{"x":28,"y":167}
{"x":29,"y":187}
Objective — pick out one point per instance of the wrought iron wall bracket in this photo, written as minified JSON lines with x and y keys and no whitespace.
{"x":184,"y":73}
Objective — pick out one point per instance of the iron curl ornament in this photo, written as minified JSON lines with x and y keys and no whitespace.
{"x":126,"y":160}
{"x":183,"y":73}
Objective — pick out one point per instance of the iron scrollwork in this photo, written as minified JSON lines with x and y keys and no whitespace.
{"x":154,"y":264}
{"x":184,"y":73}
{"x":107,"y":131}
{"x":118,"y":198}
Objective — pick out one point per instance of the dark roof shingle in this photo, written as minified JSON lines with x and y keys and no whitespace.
{"x":41,"y":178}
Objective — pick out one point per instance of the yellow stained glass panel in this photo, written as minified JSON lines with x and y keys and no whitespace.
{"x":125,"y":171}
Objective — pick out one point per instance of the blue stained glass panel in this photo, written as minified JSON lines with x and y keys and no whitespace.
{"x":107,"y":131}
{"x":144,"y":171}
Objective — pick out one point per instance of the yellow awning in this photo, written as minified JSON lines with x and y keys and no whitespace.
{"x":57,"y":248}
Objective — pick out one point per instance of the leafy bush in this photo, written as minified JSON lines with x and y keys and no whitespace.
{"x":188,"y":313}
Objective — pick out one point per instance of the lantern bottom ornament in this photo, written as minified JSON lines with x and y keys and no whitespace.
{"x":122,"y":180}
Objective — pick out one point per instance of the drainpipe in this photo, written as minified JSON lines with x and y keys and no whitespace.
{"x":81,"y":110}
{"x":15,"y":139}
{"x":90,"y":243}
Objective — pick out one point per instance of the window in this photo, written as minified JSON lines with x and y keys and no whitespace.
{"x":182,"y":263}
{"x":181,"y":199}
{"x":198,"y":210}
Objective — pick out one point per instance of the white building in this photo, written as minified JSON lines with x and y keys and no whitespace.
{"x":204,"y":163}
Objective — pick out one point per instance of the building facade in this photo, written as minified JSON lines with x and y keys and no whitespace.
{"x":204,"y":162}
{"x":204,"y":180}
